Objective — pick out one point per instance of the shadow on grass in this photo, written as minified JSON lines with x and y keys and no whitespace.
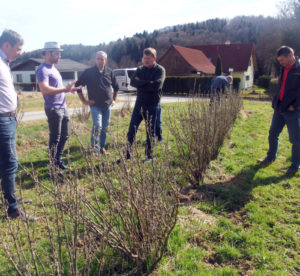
{"x":41,"y":168}
{"x":234,"y":193}
{"x":26,"y":168}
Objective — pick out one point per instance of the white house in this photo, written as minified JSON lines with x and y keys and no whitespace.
{"x":239,"y":59}
{"x":24,"y":72}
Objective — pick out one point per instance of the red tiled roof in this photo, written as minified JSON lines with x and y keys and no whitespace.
{"x":236,"y":56}
{"x":196,"y":59}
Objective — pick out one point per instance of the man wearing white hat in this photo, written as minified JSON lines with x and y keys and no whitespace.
{"x":51,"y":85}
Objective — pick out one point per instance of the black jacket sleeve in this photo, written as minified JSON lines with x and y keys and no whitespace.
{"x":82,"y":80}
{"x":138,"y":83}
{"x":149,"y":85}
{"x":114,"y":82}
{"x":157,"y":82}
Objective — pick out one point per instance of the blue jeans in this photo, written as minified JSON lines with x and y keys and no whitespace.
{"x":149,"y":113}
{"x":8,"y":161}
{"x":292,"y":120}
{"x":58,"y":122}
{"x":158,"y":127}
{"x":101,"y":117}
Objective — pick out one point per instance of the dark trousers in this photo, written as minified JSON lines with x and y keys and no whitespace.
{"x":158,"y":126}
{"x":215,"y":94}
{"x":58,"y":122}
{"x":8,"y":161}
{"x":149,"y":113}
{"x":292,"y":120}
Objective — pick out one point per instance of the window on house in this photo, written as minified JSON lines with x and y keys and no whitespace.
{"x":118,"y":73}
{"x":32,"y":78}
{"x":19,"y":78}
{"x":250,"y":62}
{"x":67,"y":75}
{"x":247,"y":78}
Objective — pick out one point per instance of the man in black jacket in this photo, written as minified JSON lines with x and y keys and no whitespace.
{"x":286,"y":104}
{"x":148,"y":79}
{"x":102,"y":93}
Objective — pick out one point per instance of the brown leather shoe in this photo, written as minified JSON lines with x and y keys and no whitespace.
{"x":25,"y":200}
{"x":21,"y":215}
{"x":103,"y":151}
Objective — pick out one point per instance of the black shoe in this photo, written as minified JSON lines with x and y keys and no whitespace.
{"x":265,"y":161}
{"x":148,"y":160}
{"x":291,"y":171}
{"x":127,"y":157}
{"x":61,"y":165}
{"x":59,"y":175}
{"x":21,"y":215}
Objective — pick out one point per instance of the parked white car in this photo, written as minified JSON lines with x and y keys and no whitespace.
{"x":123,"y":79}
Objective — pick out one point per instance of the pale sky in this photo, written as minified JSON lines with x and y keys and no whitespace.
{"x":91,"y":22}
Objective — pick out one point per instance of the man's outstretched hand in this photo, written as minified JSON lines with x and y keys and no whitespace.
{"x":70,"y":88}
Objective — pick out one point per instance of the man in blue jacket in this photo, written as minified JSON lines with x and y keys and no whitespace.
{"x":286,"y":104}
{"x":219,"y":85}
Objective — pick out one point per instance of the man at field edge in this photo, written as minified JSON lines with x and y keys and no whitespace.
{"x":286,"y":104}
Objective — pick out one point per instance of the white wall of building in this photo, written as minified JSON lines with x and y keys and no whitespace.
{"x":247,"y":77}
{"x":248,"y":82}
{"x":25,"y":76}
{"x":27,"y":79}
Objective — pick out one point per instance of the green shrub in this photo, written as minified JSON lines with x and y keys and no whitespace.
{"x":199,"y":130}
{"x":192,"y":85}
{"x":264,"y":81}
{"x":272,"y":87}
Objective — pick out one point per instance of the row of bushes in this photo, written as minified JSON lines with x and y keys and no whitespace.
{"x":115,"y":218}
{"x":190,"y":85}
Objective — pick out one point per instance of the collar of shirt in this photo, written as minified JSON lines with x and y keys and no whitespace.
{"x":100,"y":72}
{"x":283,"y":80}
{"x":4,"y":57}
{"x":154,"y":65}
{"x":290,"y":67}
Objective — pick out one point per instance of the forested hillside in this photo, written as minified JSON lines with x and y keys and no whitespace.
{"x":267,"y":33}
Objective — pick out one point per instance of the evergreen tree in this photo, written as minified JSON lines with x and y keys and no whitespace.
{"x":219,"y":69}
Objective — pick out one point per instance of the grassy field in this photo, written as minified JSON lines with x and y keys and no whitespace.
{"x":33,"y":101}
{"x":244,"y":219}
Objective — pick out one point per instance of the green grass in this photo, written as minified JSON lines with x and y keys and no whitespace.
{"x":246,"y":221}
{"x":34,"y":101}
{"x":256,"y":210}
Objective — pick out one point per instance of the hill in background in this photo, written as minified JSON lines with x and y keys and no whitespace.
{"x":267,"y":33}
